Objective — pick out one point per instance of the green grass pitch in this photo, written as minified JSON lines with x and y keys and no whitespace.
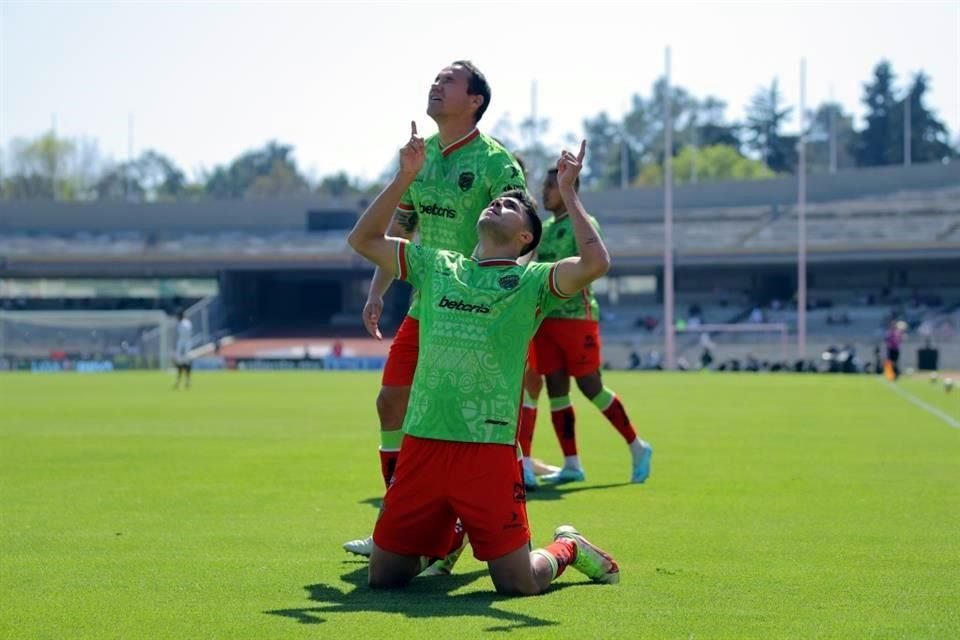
{"x":779,"y":506}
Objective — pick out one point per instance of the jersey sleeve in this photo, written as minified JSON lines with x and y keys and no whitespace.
{"x":406,"y":211}
{"x":406,"y":202}
{"x":505,"y":174}
{"x":411,"y":262}
{"x":551,"y":297}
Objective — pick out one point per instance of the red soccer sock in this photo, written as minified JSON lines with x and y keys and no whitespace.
{"x":528,"y":419}
{"x":617,"y":416}
{"x":564,"y":424}
{"x":388,"y":464}
{"x":564,"y":551}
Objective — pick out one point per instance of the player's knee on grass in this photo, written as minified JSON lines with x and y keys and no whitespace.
{"x":392,"y":406}
{"x":590,"y":385}
{"x":390,"y":570}
{"x":514,"y":575}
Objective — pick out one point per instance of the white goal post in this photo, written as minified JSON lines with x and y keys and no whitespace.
{"x":137,"y":339}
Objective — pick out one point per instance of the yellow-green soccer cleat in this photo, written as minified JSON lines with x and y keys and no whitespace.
{"x":591,"y":560}
{"x":444,"y":566}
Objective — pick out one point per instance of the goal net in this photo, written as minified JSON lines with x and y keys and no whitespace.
{"x":126,"y":339}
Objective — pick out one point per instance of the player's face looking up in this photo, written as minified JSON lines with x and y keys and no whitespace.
{"x":506,"y":221}
{"x":449,"y":95}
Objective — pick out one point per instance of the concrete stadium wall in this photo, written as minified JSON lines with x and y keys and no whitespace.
{"x":281,"y":214}
{"x":276,"y":214}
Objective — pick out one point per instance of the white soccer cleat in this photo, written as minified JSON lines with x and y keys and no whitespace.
{"x":360,"y":547}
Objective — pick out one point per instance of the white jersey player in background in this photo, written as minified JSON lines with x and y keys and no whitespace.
{"x":181,"y":357}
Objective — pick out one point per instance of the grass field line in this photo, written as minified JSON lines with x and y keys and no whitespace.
{"x":950,"y":420}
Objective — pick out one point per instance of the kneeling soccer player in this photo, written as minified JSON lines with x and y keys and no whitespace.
{"x":458,"y":458}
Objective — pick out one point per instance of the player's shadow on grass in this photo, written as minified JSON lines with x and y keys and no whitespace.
{"x":544,"y":492}
{"x":558,"y":491}
{"x":424,"y":598}
{"x":373,"y":502}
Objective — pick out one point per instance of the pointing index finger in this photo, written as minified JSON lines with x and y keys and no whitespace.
{"x":583,"y":150}
{"x":413,"y":128}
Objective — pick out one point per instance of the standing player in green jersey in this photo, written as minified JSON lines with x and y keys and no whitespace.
{"x":478,"y":315}
{"x":463,"y":171}
{"x":568,"y":344}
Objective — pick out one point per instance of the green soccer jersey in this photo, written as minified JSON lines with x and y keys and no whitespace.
{"x":455,"y":185}
{"x":557,"y":243}
{"x":476,"y":322}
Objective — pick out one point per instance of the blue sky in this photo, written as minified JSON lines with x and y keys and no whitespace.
{"x":209,"y":80}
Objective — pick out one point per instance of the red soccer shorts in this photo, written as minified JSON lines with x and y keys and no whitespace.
{"x":436,"y":482}
{"x":402,"y":359}
{"x":568,"y":345}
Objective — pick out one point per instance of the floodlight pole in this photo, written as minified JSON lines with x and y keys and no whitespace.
{"x":669,"y":326}
{"x":802,"y":220}
{"x":907,"y":139}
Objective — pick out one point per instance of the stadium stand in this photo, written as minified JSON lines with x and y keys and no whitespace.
{"x":879,"y":240}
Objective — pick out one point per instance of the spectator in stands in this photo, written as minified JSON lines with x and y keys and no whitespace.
{"x":756,"y":316}
{"x":648,"y":322}
{"x":706,"y":356}
{"x":893,"y":340}
{"x":706,"y":359}
{"x":653,"y":362}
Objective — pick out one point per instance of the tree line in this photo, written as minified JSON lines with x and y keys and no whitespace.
{"x":625,"y":152}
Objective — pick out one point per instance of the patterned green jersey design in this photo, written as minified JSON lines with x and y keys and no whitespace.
{"x":557,"y":243}
{"x":476,"y":323}
{"x":453,"y":188}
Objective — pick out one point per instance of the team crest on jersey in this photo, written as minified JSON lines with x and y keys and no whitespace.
{"x":509,"y":282}
{"x":466,"y":180}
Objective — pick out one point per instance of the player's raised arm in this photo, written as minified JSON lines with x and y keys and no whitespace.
{"x":573,"y":274}
{"x":369,"y":236}
{"x":404,"y":225}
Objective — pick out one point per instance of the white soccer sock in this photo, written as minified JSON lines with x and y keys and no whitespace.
{"x":546,"y":555}
{"x":571,"y":462}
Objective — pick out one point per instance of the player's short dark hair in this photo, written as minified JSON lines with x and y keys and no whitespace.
{"x":533,"y":220}
{"x":477,"y":86}
{"x":553,"y":172}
